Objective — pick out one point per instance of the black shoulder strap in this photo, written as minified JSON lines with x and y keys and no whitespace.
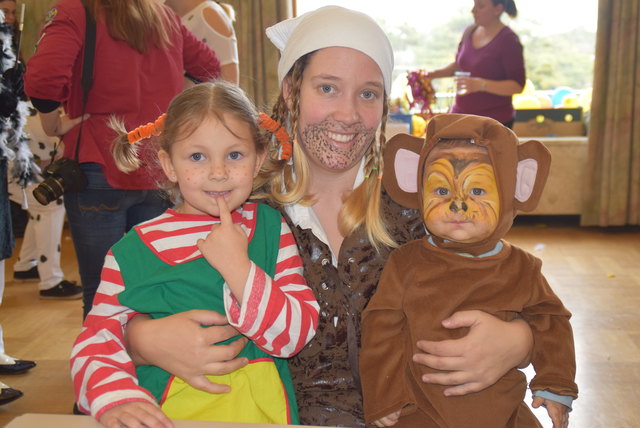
{"x":89,"y":53}
{"x":87,"y":67}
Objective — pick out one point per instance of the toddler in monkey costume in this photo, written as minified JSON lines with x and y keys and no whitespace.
{"x":468,"y":179}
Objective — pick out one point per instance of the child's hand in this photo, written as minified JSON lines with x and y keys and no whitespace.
{"x":135,"y":414}
{"x":225,"y":248}
{"x":559,"y":413}
{"x":389,"y":420}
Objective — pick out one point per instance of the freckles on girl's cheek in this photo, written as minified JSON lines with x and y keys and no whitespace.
{"x":194,"y":175}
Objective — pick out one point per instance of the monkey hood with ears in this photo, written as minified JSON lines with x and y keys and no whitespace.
{"x":521,"y":170}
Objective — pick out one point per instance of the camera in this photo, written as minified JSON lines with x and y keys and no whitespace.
{"x":63,"y":175}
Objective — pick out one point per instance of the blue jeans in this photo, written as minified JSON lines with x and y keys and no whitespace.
{"x":98,"y":217}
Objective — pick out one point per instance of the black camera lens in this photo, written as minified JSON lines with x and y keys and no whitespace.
{"x":49,"y":190}
{"x":63,"y":175}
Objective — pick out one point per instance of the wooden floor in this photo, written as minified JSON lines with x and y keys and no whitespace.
{"x":595,"y":271}
{"x":43,"y":331}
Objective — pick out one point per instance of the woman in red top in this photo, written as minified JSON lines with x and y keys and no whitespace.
{"x":141,"y":54}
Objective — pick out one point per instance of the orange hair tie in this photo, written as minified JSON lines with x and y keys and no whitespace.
{"x":285,"y":146}
{"x":145,"y":131}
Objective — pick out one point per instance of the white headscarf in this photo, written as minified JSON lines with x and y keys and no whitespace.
{"x":331,"y":26}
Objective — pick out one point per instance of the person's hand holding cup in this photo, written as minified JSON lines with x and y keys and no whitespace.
{"x":462,"y":81}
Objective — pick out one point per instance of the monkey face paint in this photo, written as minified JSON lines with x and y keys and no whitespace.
{"x":461,"y":201}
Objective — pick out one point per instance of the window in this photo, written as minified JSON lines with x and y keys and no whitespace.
{"x":558,"y":39}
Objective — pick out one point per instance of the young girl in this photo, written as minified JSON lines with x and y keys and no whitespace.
{"x":212,"y":251}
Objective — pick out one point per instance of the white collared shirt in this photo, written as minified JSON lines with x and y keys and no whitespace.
{"x":304,"y":217}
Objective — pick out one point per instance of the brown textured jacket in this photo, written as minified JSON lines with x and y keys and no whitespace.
{"x":325,"y":372}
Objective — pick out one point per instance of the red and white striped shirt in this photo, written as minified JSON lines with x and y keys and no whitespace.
{"x":278,"y":314}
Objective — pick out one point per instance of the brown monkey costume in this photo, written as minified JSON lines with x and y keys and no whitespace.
{"x":427,"y":280}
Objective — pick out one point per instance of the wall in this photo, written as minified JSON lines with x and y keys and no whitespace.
{"x":564,"y":189}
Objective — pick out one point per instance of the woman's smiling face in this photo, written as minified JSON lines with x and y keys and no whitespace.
{"x":341,"y":104}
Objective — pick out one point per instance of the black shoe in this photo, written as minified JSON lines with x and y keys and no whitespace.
{"x":26,"y":275}
{"x":65,"y":290}
{"x":76,"y":410}
{"x":19,"y":367}
{"x":7,"y":394}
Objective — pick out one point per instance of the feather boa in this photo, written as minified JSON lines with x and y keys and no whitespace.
{"x":14,"y":142}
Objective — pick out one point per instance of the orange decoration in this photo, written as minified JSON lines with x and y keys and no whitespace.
{"x":145,"y":131}
{"x":281,"y":134}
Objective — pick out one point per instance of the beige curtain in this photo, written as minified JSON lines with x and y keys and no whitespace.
{"x":612,"y":188}
{"x":258,"y":57}
{"x":34,"y":15}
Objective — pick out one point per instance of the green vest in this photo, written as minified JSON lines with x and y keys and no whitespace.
{"x":156,"y":288}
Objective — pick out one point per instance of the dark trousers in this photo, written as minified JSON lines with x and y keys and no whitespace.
{"x":98,"y":217}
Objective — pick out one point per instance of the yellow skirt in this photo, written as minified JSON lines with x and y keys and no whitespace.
{"x":257,"y":396}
